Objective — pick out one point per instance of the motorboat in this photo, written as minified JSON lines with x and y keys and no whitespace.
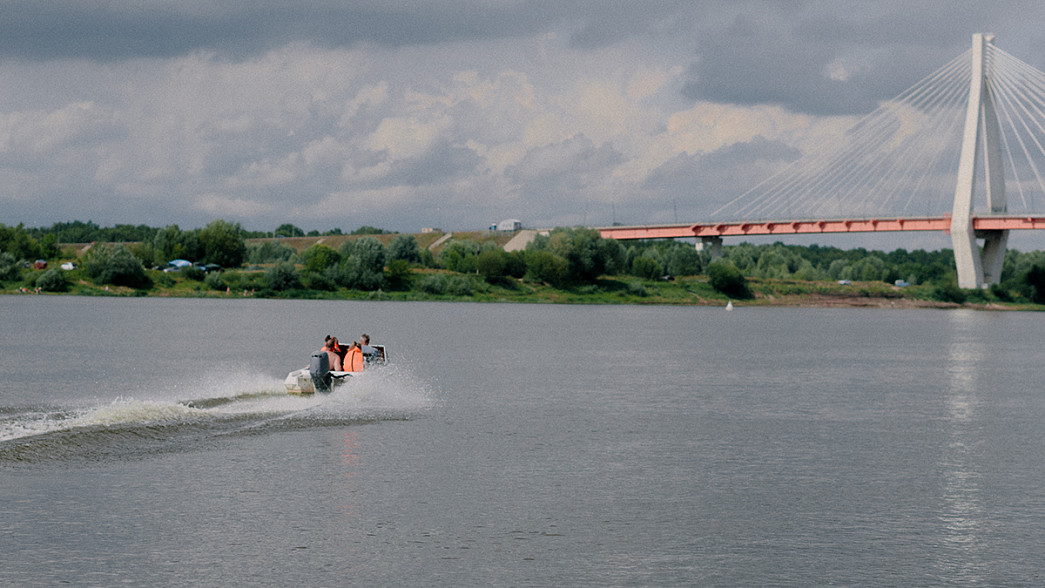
{"x":302,"y":382}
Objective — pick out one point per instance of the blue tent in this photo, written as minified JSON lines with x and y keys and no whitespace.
{"x":179,"y":263}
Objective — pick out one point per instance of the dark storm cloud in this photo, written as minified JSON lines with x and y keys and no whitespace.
{"x":122,"y":30}
{"x":785,"y":53}
{"x":108,"y":31}
{"x":605,"y":23}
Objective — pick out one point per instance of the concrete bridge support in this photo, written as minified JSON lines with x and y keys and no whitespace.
{"x":712,"y":243}
{"x":978,"y":269}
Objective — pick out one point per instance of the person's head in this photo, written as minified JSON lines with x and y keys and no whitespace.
{"x":364,"y":339}
{"x":333,"y":343}
{"x":327,"y":343}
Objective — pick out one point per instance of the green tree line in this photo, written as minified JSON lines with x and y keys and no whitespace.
{"x":565,"y":258}
{"x":90,"y":232}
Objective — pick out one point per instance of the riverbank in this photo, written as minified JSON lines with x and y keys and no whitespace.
{"x":682,"y":291}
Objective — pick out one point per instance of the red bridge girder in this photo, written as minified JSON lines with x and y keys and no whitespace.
{"x":803,"y":227}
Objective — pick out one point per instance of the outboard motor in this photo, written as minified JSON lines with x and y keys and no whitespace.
{"x":319,"y":370}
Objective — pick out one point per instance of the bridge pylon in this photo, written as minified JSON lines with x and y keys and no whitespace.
{"x":976,"y":268}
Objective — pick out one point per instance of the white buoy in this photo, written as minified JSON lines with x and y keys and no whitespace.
{"x":729,"y":305}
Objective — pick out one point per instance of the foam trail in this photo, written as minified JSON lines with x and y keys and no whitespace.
{"x":125,"y":411}
{"x":381,"y":394}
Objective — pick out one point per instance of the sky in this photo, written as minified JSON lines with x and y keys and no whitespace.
{"x":454,"y":114}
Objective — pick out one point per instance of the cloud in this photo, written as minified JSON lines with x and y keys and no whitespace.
{"x":37,"y":136}
{"x":117,"y":30}
{"x":830,"y":58}
{"x":451,"y":113}
{"x":561,"y":162}
{"x":219,"y":206}
{"x":721,"y":175}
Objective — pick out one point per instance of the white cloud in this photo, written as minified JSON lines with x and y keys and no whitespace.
{"x":403,"y":137}
{"x":41,"y":133}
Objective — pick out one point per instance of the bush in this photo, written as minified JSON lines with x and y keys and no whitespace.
{"x":545,"y":266}
{"x":172,"y":243}
{"x":586,"y":253}
{"x":1035,"y":279}
{"x":399,"y":275}
{"x":492,"y":264}
{"x":19,"y":243}
{"x":52,"y":280}
{"x":443,"y":284}
{"x":1001,"y":293}
{"x":244,"y":280}
{"x":949,"y":292}
{"x":222,"y":243}
{"x":645,"y":267}
{"x":282,"y":276}
{"x":460,"y":256}
{"x":214,"y":281}
{"x":404,"y":247}
{"x":9,"y":269}
{"x":684,"y":260}
{"x":459,"y":286}
{"x":727,"y":279}
{"x":319,"y":257}
{"x":433,"y":284}
{"x":363,"y":267}
{"x":321,"y":282}
{"x":515,"y":264}
{"x":116,"y":266}
{"x":354,"y":275}
{"x":194,"y":273}
{"x":289,"y":230}
{"x":270,"y":252}
{"x":636,"y":288}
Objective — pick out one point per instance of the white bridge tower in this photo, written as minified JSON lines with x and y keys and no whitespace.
{"x":978,"y":269}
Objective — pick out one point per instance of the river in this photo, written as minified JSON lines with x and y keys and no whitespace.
{"x":147,"y":442}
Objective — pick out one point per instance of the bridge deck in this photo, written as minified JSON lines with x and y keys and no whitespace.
{"x":802,"y":227}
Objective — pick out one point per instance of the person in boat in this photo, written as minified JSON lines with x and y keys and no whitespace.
{"x":339,"y":350}
{"x":354,"y":358}
{"x":369,"y":353}
{"x":331,"y":346}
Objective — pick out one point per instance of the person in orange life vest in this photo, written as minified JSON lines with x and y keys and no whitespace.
{"x":354,"y":358}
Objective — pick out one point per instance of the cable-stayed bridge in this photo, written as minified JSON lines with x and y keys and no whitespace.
{"x":962,"y":151}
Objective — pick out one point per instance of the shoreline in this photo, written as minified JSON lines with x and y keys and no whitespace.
{"x":831,"y":299}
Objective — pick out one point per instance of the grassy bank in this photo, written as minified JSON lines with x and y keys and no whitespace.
{"x":687,"y":290}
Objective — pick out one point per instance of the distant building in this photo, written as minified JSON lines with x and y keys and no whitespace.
{"x":431,"y":230}
{"x":510,"y":224}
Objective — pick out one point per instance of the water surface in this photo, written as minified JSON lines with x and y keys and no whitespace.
{"x":147,"y":441}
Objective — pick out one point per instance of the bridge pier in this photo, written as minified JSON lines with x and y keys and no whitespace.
{"x":714,"y":243}
{"x":978,"y":269}
{"x":994,"y":244}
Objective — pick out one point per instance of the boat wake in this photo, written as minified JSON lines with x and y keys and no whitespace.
{"x":129,"y":427}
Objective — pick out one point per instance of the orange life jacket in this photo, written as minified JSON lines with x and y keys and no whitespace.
{"x":353,"y":360}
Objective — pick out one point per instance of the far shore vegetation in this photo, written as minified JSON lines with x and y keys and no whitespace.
{"x":567,"y":265}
